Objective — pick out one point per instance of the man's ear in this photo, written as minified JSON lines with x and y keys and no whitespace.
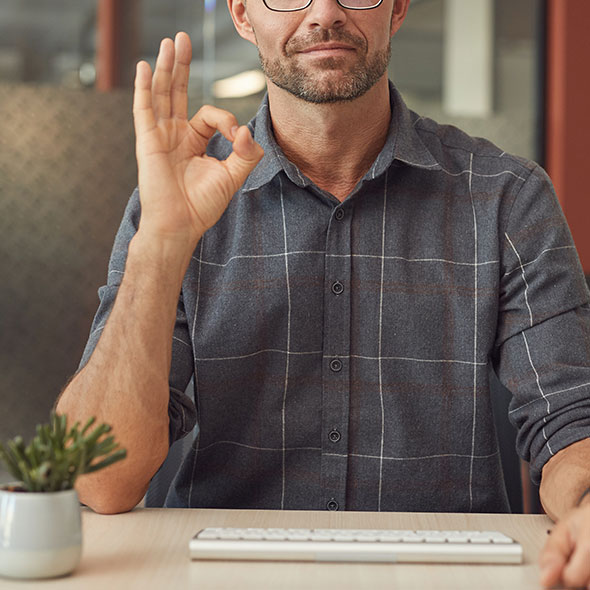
{"x":239,"y":14}
{"x":400,"y":10}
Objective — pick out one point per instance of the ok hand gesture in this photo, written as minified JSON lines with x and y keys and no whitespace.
{"x":183,"y":191}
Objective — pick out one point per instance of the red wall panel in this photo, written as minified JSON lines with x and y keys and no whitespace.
{"x":568,"y":114}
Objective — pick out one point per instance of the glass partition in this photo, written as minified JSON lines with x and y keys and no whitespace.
{"x":474,"y":63}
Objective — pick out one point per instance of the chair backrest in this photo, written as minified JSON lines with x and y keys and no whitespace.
{"x":506,"y":434}
{"x":160,"y":483}
{"x":67,"y":168}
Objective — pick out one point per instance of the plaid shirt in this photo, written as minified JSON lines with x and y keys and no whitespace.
{"x":340,"y":351}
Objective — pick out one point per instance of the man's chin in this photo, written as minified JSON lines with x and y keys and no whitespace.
{"x":327,"y":95}
{"x":328,"y":81}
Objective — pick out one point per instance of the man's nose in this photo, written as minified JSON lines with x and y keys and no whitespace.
{"x":327,"y":14}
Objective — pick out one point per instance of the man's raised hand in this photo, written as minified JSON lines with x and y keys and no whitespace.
{"x":183,"y":191}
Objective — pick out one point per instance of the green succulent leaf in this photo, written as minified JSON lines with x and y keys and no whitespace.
{"x":56,"y":456}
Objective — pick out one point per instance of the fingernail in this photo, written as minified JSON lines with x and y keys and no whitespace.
{"x":233,"y":131}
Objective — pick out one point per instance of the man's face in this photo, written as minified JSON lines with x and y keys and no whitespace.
{"x":324,"y":53}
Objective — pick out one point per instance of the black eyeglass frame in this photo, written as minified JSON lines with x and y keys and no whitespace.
{"x":379,"y":2}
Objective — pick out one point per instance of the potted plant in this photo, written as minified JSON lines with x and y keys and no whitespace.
{"x":40,"y":525}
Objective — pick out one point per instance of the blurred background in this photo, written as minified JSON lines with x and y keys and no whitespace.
{"x":502,"y":69}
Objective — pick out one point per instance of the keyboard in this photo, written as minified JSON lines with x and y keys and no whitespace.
{"x":354,"y":545}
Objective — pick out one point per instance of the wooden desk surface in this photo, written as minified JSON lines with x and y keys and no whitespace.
{"x":148,"y":548}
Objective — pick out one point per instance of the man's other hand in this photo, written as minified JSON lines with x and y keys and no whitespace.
{"x":565,"y":559}
{"x":183,"y":191}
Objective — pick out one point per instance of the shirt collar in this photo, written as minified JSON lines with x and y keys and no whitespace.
{"x":403,"y":144}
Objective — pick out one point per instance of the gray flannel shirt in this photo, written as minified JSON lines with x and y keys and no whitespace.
{"x":340,"y":351}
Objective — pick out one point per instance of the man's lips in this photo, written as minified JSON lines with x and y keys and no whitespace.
{"x":328,"y":48}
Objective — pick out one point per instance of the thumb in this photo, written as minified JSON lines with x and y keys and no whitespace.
{"x":246,"y":154}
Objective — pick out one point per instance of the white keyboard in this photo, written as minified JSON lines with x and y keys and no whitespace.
{"x":275,"y":544}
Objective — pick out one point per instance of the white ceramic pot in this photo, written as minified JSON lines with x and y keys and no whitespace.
{"x":40,"y":533}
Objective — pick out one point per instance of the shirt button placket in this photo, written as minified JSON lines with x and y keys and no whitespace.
{"x":336,"y":377}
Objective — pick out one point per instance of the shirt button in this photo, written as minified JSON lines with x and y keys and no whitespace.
{"x":334,"y":436}
{"x":332,"y":505}
{"x":336,"y":365}
{"x":339,"y":215}
{"x":337,"y":288}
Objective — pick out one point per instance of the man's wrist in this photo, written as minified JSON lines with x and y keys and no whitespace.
{"x":172,"y":255}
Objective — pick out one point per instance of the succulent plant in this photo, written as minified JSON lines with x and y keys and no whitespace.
{"x":56,"y":455}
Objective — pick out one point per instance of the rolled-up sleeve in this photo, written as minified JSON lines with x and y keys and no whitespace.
{"x":181,"y":408}
{"x":543,"y":340}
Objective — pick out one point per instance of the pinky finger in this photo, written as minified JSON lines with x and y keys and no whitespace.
{"x":143,"y":113}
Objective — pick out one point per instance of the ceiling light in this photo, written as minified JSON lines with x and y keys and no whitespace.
{"x":240,"y":85}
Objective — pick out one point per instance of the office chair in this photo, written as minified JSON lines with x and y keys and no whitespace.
{"x":506,"y":435}
{"x":162,"y":480}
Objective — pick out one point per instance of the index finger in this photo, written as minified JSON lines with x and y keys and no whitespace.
{"x":209,"y":120}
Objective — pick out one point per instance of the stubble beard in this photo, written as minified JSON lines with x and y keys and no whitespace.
{"x":317,"y":85}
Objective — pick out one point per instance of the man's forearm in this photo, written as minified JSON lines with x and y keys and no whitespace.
{"x":565,"y":478}
{"x":125,"y":382}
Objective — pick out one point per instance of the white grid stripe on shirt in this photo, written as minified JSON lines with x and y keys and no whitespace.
{"x":195,"y":375}
{"x":534,"y":401}
{"x":323,"y":253}
{"x":281,"y":449}
{"x":418,"y":164}
{"x":258,"y":256}
{"x":346,"y":455}
{"x":543,"y":252}
{"x":528,"y":351}
{"x":526,"y":285}
{"x":181,"y":341}
{"x":411,"y":359}
{"x":423,"y":260}
{"x":351,"y":356}
{"x":288,"y":342}
{"x":381,"y":340}
{"x":420,"y":458}
{"x":475,"y":305}
{"x":256,"y":353}
{"x":479,"y":175}
{"x":468,"y":171}
{"x":526,"y":289}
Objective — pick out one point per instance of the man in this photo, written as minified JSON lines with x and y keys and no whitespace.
{"x":338,"y":304}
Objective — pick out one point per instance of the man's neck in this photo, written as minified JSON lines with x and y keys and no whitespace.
{"x":333,"y":144}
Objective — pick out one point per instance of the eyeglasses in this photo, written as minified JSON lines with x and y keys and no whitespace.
{"x":294,"y":5}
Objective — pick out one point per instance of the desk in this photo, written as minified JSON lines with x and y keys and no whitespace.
{"x":148,"y":548}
